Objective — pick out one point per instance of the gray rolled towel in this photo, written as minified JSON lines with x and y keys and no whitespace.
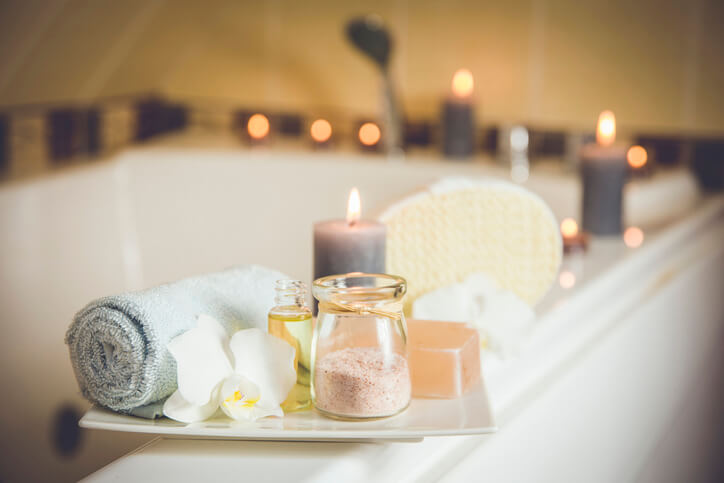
{"x":118,"y":344}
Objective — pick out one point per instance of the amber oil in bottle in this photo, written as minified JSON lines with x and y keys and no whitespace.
{"x":291,"y":320}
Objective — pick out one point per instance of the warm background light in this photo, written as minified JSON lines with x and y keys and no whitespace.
{"x":354,"y":207}
{"x":566,"y":279}
{"x":321,"y":130}
{"x":606,"y":129}
{"x":462,"y":83}
{"x":258,"y":126}
{"x":633,"y":237}
{"x":569,"y":227}
{"x":369,"y":134}
{"x":548,"y":74}
{"x":637,"y":156}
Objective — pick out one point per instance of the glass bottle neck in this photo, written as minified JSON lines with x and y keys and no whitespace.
{"x":290,"y":293}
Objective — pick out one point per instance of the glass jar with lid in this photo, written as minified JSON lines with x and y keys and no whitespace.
{"x":359,"y":349}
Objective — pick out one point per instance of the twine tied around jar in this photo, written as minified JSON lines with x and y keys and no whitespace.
{"x":393,"y":312}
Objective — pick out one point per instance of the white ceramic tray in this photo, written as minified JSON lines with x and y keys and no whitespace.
{"x":424,"y":417}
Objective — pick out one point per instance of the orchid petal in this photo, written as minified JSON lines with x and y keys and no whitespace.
{"x":452,"y":303}
{"x":501,"y":317}
{"x":266,"y":361}
{"x":202,"y":360}
{"x":504,"y":321}
{"x":178,"y":408}
{"x":261,"y":411}
{"x":212,"y":325}
{"x":239,"y":400}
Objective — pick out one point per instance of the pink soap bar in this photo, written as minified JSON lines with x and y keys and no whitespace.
{"x":444,"y":358}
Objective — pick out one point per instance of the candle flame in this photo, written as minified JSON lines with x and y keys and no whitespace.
{"x":606,"y":130}
{"x":354,"y":208}
{"x":462,"y":83}
{"x":569,"y":227}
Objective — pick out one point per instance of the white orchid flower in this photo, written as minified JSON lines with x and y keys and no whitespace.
{"x":247,"y":376}
{"x":500,"y":316}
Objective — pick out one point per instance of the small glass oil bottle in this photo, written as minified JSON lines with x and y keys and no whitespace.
{"x":291,"y":321}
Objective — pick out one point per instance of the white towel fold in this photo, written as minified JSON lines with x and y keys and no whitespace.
{"x":118,"y":344}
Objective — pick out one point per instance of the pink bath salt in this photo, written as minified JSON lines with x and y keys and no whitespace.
{"x":362,"y":382}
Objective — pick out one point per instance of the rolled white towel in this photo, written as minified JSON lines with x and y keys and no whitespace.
{"x":118,"y":344}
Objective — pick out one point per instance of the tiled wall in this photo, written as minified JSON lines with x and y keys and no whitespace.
{"x":4,"y":149}
{"x":27,"y":144}
{"x":38,"y":139}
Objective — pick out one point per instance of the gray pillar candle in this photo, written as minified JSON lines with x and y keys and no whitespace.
{"x":351,"y":245}
{"x":458,"y":134}
{"x":342,"y":248}
{"x":458,"y":120}
{"x":603,"y":174}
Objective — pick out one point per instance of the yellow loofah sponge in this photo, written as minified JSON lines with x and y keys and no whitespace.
{"x":460,"y":226}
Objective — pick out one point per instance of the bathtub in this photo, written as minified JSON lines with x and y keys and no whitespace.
{"x":159,"y":213}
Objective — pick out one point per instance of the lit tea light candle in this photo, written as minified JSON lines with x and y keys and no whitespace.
{"x":258,"y":127}
{"x":573,"y":239}
{"x":638,"y":158}
{"x":349,"y":245}
{"x":603,"y":174}
{"x":633,"y":237}
{"x":458,"y":118}
{"x":567,"y":279}
{"x":321,"y":132}
{"x":369,"y":135}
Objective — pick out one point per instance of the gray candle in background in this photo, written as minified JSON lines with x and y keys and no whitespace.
{"x":603,"y":174}
{"x":458,"y":119}
{"x":458,"y":132}
{"x":351,"y":245}
{"x":340,"y":247}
